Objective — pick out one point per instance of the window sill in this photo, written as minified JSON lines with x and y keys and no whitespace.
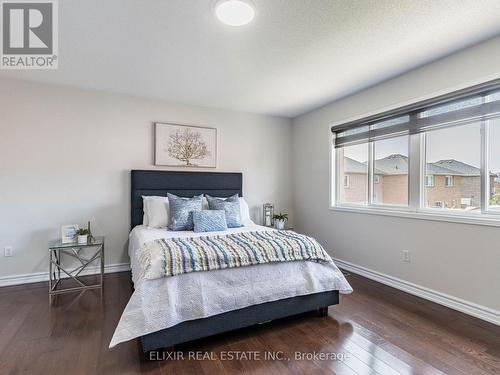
{"x":474,"y":219}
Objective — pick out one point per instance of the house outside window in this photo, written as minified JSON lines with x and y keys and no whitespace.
{"x":435,"y":154}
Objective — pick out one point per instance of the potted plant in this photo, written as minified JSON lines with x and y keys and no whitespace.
{"x":82,"y":236}
{"x":279,"y":220}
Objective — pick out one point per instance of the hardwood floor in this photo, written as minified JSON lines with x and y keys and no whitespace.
{"x":378,"y":330}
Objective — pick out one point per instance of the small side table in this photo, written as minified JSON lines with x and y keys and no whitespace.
{"x":57,"y":249}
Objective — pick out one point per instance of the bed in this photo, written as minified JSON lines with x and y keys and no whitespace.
{"x":172,"y":310}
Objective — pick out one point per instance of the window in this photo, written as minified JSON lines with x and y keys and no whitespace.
{"x":391,"y":122}
{"x":448,"y":181}
{"x":391,"y":166}
{"x":454,"y":153}
{"x":429,"y":180}
{"x":353,"y":168}
{"x":492,"y":97}
{"x":352,"y":131}
{"x":456,"y":106}
{"x":439,"y":157}
{"x":346,"y":181}
{"x":493,"y":166}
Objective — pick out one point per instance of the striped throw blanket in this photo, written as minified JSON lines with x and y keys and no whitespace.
{"x":175,"y":256}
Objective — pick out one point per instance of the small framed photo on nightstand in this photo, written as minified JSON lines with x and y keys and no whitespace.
{"x":68,"y":233}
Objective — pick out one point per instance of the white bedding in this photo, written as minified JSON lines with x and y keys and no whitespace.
{"x":162,"y":303}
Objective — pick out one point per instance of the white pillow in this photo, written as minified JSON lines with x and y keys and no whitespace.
{"x":145,"y":220}
{"x":157,"y":211}
{"x":245,"y":213}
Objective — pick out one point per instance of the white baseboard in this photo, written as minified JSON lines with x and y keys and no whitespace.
{"x":44,"y":276}
{"x":469,"y":308}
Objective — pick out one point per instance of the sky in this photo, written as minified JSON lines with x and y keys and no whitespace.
{"x":462,"y":143}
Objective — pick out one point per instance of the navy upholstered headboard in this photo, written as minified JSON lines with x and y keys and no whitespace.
{"x":184,"y":184}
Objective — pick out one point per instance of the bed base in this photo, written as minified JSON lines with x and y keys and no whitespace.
{"x":217,"y":184}
{"x":232,"y":320}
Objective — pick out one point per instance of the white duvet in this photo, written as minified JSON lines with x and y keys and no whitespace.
{"x":162,"y":303}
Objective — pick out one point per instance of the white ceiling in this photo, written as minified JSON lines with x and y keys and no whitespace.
{"x":295,"y":56}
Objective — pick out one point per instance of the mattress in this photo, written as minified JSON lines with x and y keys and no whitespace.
{"x":162,"y":303}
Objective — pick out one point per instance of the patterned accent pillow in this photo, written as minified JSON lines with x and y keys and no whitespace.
{"x":209,"y":220}
{"x":231,"y":206}
{"x":181,"y":211}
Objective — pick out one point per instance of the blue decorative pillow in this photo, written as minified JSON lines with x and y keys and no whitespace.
{"x":181,"y":211}
{"x":209,"y":220}
{"x":231,"y":207}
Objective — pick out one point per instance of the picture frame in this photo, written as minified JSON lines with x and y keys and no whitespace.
{"x":190,"y":146}
{"x":68,"y":233}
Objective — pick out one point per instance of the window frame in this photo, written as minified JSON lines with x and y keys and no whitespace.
{"x":416,"y":184}
{"x":451,"y":184}
{"x":347,"y":181}
{"x":371,"y":182}
{"x":419,"y":179}
{"x":335,"y":195}
{"x":336,"y":201}
{"x":432,"y":178}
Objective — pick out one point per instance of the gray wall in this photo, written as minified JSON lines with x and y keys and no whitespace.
{"x":66,"y":155}
{"x":461,"y":260}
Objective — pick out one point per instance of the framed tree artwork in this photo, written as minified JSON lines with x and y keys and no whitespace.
{"x":185,"y":146}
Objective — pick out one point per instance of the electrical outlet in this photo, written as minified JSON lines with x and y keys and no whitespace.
{"x":405,"y":254}
{"x":7,"y":251}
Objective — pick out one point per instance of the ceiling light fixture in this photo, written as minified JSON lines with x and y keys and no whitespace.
{"x":235,"y":12}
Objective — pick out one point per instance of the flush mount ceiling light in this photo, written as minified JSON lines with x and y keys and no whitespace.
{"x":235,"y":12}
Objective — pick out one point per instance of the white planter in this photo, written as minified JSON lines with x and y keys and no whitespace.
{"x":82,"y":239}
{"x":279,"y":224}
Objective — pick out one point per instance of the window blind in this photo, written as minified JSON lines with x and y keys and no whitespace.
{"x":475,"y":103}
